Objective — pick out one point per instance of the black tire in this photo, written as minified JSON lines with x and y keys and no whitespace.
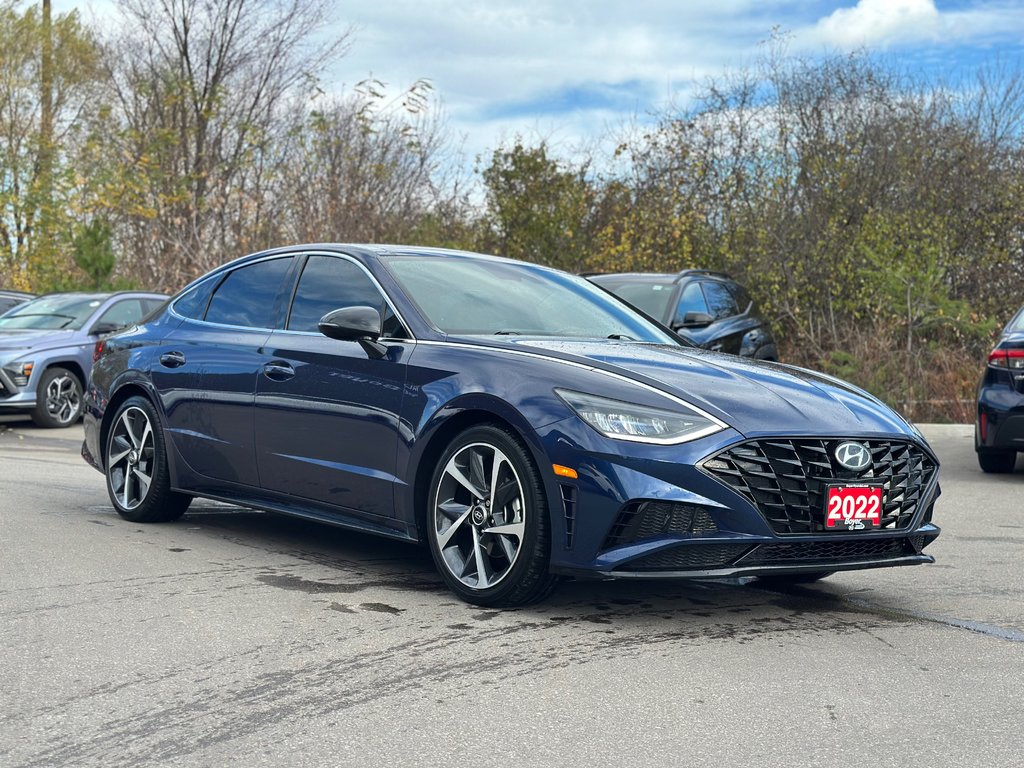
{"x":997,"y":462}
{"x":462,"y":528}
{"x":136,"y":450}
{"x":783,"y":579}
{"x":59,"y":399}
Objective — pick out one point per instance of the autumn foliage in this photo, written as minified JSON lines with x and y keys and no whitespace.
{"x":876,"y":218}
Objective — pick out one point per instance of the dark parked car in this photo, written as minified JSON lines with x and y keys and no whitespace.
{"x":706,"y":308}
{"x":10,"y":299}
{"x":519,"y":420}
{"x":46,"y":348}
{"x":999,"y":426}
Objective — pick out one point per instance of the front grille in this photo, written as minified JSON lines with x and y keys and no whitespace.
{"x":646,"y":519}
{"x":787,"y":479}
{"x":688,"y":557}
{"x":832,"y":551}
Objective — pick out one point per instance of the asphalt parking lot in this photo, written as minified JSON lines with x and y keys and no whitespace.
{"x":233,"y":637}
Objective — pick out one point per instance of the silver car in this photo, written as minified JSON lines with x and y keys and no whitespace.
{"x":46,"y":349}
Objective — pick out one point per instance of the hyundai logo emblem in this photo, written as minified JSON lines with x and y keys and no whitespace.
{"x":854,"y":456}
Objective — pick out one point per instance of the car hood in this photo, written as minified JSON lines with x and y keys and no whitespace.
{"x":21,"y":338}
{"x":755,"y":397}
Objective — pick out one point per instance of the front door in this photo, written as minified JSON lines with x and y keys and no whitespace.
{"x":327,"y":415}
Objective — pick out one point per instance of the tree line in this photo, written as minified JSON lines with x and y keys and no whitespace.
{"x":876,"y":216}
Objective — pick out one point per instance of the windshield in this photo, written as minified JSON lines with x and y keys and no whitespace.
{"x":51,"y":313}
{"x":652,"y":298}
{"x":474,"y":296}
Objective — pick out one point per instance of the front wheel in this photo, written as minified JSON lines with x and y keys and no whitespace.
{"x":138,"y":480}
{"x":487,"y":520}
{"x":58,"y":399}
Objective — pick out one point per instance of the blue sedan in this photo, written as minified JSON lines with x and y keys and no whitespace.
{"x":520,"y":421}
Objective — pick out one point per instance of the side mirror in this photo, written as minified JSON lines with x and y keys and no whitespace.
{"x":696,"y":320}
{"x":102,"y":329}
{"x":359,"y":324}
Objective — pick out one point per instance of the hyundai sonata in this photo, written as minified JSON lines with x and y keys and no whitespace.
{"x":521,"y":421}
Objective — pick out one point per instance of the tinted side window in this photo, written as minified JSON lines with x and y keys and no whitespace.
{"x":720,"y":302}
{"x":743,"y":299}
{"x":692,"y":300}
{"x":327,"y":284}
{"x":193,"y":304}
{"x":248,"y":296}
{"x":122,"y":314}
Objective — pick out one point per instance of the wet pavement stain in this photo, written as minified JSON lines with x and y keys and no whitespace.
{"x":178,"y":549}
{"x":340,"y":608}
{"x":381,"y":608}
{"x":298,"y":584}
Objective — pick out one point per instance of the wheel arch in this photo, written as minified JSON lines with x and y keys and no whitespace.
{"x":121,"y":394}
{"x":450,"y":422}
{"x":69,"y":364}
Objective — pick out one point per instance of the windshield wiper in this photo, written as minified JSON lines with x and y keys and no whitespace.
{"x":620,"y":336}
{"x":43,"y":314}
{"x":507,"y":333}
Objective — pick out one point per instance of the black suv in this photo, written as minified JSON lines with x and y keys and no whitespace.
{"x":706,"y":308}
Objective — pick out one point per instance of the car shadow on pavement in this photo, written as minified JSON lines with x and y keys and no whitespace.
{"x":395,"y":577}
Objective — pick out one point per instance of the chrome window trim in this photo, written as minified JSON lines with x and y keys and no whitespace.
{"x":292,"y":255}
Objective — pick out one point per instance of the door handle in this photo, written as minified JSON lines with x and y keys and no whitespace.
{"x":172,"y":359}
{"x":278,"y":371}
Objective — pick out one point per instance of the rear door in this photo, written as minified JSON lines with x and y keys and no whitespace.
{"x":207,"y":368}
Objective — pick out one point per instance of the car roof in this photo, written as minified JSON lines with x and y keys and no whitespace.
{"x":658,"y":277}
{"x":101,"y":296}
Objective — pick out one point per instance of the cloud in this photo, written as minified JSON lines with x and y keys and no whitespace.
{"x":886,"y":23}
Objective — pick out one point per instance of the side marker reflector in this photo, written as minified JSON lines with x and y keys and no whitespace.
{"x":569,"y":472}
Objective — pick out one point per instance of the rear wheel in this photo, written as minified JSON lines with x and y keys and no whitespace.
{"x":487,"y":520}
{"x":58,"y":399}
{"x":138,"y":480}
{"x":997,"y":462}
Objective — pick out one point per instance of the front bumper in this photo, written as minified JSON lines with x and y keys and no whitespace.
{"x":696,"y":526}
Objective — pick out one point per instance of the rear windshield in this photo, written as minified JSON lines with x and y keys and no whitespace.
{"x":1017,"y":324}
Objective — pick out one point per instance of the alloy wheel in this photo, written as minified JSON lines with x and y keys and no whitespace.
{"x":130,"y":459}
{"x":63,"y":399}
{"x":479,"y":516}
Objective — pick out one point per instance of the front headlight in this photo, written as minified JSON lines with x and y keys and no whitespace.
{"x":641,"y":423}
{"x":20,"y":372}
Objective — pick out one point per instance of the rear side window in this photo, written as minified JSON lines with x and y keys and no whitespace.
{"x":193,"y":304}
{"x":721,"y":303}
{"x":248,"y":296}
{"x":743,"y":299}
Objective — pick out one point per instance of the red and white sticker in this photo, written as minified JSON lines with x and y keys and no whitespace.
{"x":853,"y":507}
